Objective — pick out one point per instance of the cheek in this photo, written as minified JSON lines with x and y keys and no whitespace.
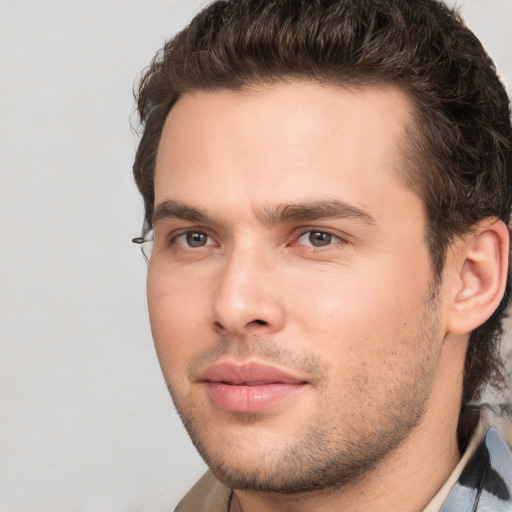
{"x":356,"y":309}
{"x":178,"y":312}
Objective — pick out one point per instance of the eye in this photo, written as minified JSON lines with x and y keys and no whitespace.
{"x":193,"y":239}
{"x":318,"y":239}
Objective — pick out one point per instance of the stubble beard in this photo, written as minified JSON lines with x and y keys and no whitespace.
{"x":327,"y":456}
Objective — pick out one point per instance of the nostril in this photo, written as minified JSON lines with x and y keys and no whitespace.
{"x":219,"y":327}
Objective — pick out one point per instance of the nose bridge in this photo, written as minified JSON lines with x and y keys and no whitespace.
{"x":244,"y":299}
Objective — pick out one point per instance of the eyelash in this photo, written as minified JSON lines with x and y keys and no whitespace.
{"x":174,"y":239}
{"x":338,"y":240}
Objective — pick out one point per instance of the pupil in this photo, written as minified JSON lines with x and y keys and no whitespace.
{"x":320,"y":239}
{"x":196,"y":239}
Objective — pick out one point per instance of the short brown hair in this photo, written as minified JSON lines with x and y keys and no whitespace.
{"x":460,"y":152}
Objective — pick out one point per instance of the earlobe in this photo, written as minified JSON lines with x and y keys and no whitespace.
{"x":481,"y":262}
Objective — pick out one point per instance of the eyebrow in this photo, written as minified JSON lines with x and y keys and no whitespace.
{"x":327,"y":209}
{"x":271,"y":215}
{"x":177,"y":210}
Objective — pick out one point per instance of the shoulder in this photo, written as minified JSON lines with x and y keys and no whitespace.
{"x":207,"y":495}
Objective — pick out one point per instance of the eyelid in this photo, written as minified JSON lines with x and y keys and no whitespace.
{"x":174,"y":236}
{"x":171,"y":237}
{"x":168,"y":229}
{"x":339,"y":239}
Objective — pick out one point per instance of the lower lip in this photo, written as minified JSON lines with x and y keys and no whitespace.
{"x":249,"y":398}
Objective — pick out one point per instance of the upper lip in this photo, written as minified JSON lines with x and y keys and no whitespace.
{"x":248,"y":374}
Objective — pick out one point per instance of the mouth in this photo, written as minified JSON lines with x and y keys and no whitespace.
{"x":249,"y":387}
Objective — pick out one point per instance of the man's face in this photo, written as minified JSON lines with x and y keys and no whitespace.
{"x":290,"y":288}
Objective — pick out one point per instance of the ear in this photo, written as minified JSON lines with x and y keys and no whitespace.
{"x":479,"y":264}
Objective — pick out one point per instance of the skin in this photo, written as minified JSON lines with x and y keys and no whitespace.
{"x":357,"y":318}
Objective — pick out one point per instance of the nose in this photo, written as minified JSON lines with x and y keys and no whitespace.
{"x":246,"y":299}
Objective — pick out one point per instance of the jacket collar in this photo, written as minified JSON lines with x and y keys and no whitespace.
{"x":485,"y":483}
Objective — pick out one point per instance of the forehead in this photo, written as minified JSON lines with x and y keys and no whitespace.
{"x":282,"y":143}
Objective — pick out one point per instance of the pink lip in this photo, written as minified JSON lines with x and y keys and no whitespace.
{"x":250,"y":387}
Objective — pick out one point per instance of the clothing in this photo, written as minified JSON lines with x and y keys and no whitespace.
{"x":481,"y":481}
{"x":484,"y":475}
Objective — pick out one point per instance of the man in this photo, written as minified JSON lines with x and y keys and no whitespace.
{"x":327,"y":189}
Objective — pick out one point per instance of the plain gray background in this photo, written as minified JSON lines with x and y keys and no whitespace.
{"x":86,"y":423}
